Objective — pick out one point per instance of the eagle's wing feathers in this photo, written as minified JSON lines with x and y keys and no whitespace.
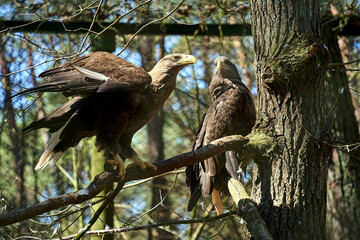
{"x":231,"y":112}
{"x":85,"y":76}
{"x":56,"y":119}
{"x":199,"y":176}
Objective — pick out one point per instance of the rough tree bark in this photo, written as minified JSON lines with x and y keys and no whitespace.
{"x":289,"y":183}
{"x":344,"y":168}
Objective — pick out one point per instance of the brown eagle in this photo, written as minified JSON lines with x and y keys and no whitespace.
{"x":113,"y":100}
{"x":231,"y":112}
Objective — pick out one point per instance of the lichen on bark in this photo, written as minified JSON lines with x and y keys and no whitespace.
{"x":289,"y":185}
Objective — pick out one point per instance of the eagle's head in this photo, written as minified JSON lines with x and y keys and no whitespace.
{"x":224,"y":68}
{"x":171,"y":64}
{"x":224,"y":76}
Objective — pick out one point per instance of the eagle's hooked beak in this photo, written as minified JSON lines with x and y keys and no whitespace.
{"x":220,"y":65}
{"x":187,"y":59}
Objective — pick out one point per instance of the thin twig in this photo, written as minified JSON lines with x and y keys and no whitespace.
{"x":149,"y":23}
{"x":104,"y":205}
{"x":158,"y":224}
{"x":332,"y":65}
{"x":91,"y":25}
{"x":151,"y":178}
{"x":79,"y":53}
{"x":353,"y":3}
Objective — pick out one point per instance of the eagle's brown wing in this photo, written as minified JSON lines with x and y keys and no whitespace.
{"x":85,"y":76}
{"x":232,"y":112}
{"x":92,"y":73}
{"x":56,"y":119}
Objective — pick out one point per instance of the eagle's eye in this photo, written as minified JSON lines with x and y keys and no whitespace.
{"x":175,"y":58}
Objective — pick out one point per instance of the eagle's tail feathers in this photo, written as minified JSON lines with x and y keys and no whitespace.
{"x":49,"y":153}
{"x":195,"y":195}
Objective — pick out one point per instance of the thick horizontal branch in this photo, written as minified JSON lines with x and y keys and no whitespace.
{"x":185,"y":159}
{"x":134,"y":173}
{"x":352,"y":28}
{"x":128,"y":28}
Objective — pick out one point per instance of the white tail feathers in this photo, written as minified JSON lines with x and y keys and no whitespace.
{"x":49,"y":154}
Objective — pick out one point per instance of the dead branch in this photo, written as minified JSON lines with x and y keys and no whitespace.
{"x":105,"y":178}
{"x":248,"y":211}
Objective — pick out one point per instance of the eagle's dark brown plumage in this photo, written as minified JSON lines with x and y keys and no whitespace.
{"x":231,"y":112}
{"x":114,"y":99}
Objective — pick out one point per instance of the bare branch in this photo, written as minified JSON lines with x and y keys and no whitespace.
{"x":158,"y":224}
{"x":108,"y":200}
{"x":334,"y":65}
{"x":105,"y":178}
{"x":95,"y":187}
{"x":149,"y":23}
{"x":91,"y":25}
{"x":248,"y":210}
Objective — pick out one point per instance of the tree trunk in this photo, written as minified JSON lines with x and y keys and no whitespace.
{"x":40,"y":114}
{"x":289,"y":183}
{"x":106,"y":219}
{"x":97,"y":162}
{"x":344,"y":168}
{"x":156,"y":143}
{"x":12,"y":130}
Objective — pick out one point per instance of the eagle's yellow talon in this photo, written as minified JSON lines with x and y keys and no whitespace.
{"x":111,"y":162}
{"x":141,"y":164}
{"x":119,"y":163}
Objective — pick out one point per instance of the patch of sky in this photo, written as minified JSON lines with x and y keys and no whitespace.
{"x":176,"y":106}
{"x":132,"y":56}
{"x":357,"y":44}
{"x":136,"y":198}
{"x":170,"y":43}
{"x":19,"y":61}
{"x":254,"y":90}
{"x":179,"y":140}
{"x":7,"y":11}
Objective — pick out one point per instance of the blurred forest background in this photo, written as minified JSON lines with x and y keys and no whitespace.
{"x":24,"y":55}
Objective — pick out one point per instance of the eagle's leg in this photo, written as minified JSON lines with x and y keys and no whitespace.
{"x":216,"y":199}
{"x":119,"y":163}
{"x":140,"y":163}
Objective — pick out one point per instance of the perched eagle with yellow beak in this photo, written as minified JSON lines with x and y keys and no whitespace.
{"x":231,"y":112}
{"x":113,"y":100}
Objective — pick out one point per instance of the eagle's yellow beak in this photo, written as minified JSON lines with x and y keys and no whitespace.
{"x":187,"y":59}
{"x":220,"y":64}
